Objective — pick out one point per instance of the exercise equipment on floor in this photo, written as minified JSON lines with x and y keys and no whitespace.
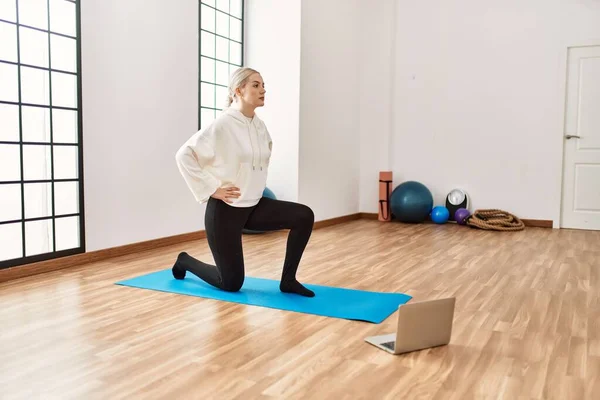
{"x":461,"y":215}
{"x":457,"y":198}
{"x":385,"y":192}
{"x":411,"y":202}
{"x":494,"y":219}
{"x":329,"y":301}
{"x":266,"y":193}
{"x":440,"y":214}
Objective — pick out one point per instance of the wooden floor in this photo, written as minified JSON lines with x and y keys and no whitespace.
{"x":527,"y":322}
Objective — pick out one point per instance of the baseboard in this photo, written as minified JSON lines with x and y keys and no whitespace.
{"x":532,"y":223}
{"x":537,"y":223}
{"x":369,"y":215}
{"x":335,"y":221}
{"x":104,"y":254}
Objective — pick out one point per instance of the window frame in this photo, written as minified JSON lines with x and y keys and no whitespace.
{"x":51,"y":144}
{"x":216,"y":109}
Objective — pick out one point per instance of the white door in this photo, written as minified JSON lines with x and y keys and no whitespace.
{"x":581,"y":169}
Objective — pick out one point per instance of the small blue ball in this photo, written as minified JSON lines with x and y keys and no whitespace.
{"x":440,"y":215}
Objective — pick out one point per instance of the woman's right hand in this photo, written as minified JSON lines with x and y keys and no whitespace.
{"x":227,"y":193}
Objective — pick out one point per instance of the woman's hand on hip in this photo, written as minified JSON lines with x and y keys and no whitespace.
{"x":225,"y":194}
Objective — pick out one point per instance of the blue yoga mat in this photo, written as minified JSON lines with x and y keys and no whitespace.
{"x":328,"y":301}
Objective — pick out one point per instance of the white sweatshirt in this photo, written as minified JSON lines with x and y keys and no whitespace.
{"x":232,"y":151}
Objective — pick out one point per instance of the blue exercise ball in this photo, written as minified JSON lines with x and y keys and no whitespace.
{"x":269,"y":193}
{"x":411,"y":201}
{"x":440,"y":215}
{"x":266,"y":193}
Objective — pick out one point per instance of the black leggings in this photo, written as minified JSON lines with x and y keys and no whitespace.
{"x":224,"y":224}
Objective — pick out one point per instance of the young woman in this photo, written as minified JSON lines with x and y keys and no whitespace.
{"x":226,"y":166}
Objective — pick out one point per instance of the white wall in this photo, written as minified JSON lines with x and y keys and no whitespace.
{"x":272,"y":47}
{"x":329,"y":102}
{"x":375,"y":62}
{"x":461,"y":75}
{"x":140,"y":103}
{"x":478,"y":98}
{"x":311,"y":71}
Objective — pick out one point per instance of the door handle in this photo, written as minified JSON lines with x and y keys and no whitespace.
{"x":573,"y":136}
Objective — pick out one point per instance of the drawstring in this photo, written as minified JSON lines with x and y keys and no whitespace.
{"x":252,"y":146}
{"x":259,"y":151}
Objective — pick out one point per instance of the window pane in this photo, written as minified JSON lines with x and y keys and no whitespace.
{"x":36,"y":162}
{"x":38,"y":237}
{"x":236,"y":8}
{"x":10,"y":202}
{"x":235,"y":53}
{"x":67,"y":233}
{"x":223,"y":5}
{"x":207,"y":95}
{"x":66,"y":198}
{"x":34,"y":47}
{"x":65,"y":126}
{"x":8,"y":41}
{"x":33,"y":13}
{"x":206,"y":117}
{"x":232,"y":69}
{"x":10,"y":162}
{"x":208,"y":18}
{"x":36,"y":124}
{"x":35,"y":86}
{"x":64,"y":90}
{"x":8,"y":10}
{"x":9,"y":82}
{"x":66,"y":163}
{"x":38,"y":200}
{"x":221,"y":97}
{"x":222,"y":73}
{"x":62,"y":17}
{"x":63,"y":53}
{"x":222,"y":24}
{"x":207,"y":44}
{"x":12,"y":241}
{"x":209,"y":2}
{"x":235,"y":29}
{"x":207,"y":69}
{"x":9,"y":122}
{"x":222,"y":49}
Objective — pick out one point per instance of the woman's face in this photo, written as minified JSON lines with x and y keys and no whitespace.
{"x":253,"y":92}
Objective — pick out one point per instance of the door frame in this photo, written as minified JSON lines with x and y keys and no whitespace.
{"x":564,"y":62}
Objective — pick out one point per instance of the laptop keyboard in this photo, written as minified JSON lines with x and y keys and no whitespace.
{"x":389,"y":345}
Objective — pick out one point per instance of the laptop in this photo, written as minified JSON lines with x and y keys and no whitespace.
{"x":421,"y":325}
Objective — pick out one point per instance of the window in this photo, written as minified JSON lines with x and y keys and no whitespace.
{"x":221,"y":53}
{"x":41,"y":187}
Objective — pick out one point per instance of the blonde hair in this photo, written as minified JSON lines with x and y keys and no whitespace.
{"x":237,"y":80}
